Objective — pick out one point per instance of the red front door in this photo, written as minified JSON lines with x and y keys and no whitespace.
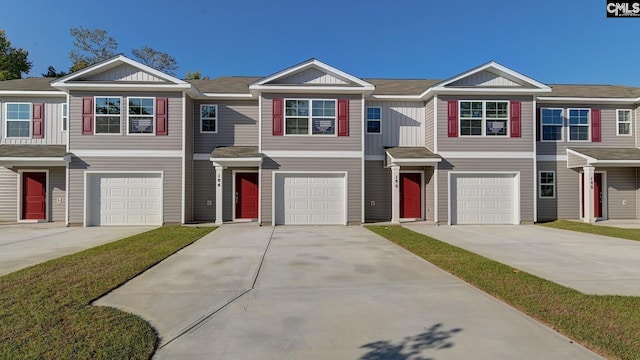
{"x":34,"y":193}
{"x":597,"y":195}
{"x":410,"y":199}
{"x":246,"y":195}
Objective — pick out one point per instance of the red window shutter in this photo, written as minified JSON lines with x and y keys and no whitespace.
{"x":87,"y":115}
{"x":37,"y":121}
{"x":452,"y":118}
{"x":343,"y":117}
{"x":595,"y":125}
{"x":515,"y":123}
{"x":162,"y":116}
{"x":278,"y":118}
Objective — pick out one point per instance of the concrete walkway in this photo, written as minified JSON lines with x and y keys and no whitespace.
{"x":591,"y":264}
{"x":249,"y":292}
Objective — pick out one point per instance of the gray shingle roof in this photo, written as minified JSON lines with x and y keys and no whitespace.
{"x":610,"y":153}
{"x":604,"y":91}
{"x":225,"y":84}
{"x":29,"y":84}
{"x":28,"y":151}
{"x":405,"y":152}
{"x":401,"y":86}
{"x":235,"y":152}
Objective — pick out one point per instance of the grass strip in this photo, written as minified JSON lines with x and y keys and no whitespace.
{"x":629,"y":234}
{"x":609,"y":325}
{"x":45,"y":311}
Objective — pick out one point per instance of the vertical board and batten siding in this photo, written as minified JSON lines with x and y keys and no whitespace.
{"x":487,"y":143}
{"x":486,"y":78}
{"x":353,"y":167}
{"x":377,"y":188}
{"x":608,"y":131}
{"x":237,"y":125}
{"x":8,"y":195}
{"x":523,"y":166}
{"x":621,"y":192}
{"x":353,"y":142}
{"x":402,"y":125}
{"x":566,"y":204}
{"x":188,"y":160}
{"x":311,"y":76}
{"x":204,"y":190}
{"x":122,"y":141}
{"x":53,"y":133}
{"x":429,"y":109}
{"x":125,"y":72}
{"x":56,"y":189}
{"x":172,"y":181}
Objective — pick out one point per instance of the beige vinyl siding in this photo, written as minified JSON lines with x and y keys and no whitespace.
{"x":125,"y":72}
{"x":311,"y":76}
{"x":566,"y":204}
{"x":53,"y":134}
{"x":188,"y":160}
{"x":122,"y":141}
{"x":58,"y":194}
{"x":621,"y":190}
{"x":402,"y":125}
{"x":56,"y":189}
{"x":353,"y":167}
{"x":607,"y":130}
{"x":429,"y":189}
{"x":428,"y":124}
{"x":523,"y":166}
{"x":487,"y":143}
{"x":486,"y":78}
{"x":8,"y":195}
{"x":377,"y":187}
{"x":204,"y":191}
{"x":172,"y":181}
{"x":575,"y":161}
{"x":237,"y":125}
{"x":353,"y":142}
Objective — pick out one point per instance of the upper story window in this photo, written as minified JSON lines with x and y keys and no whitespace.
{"x":65,"y":116}
{"x":108,"y":114}
{"x":141,"y":115}
{"x":484,"y":118}
{"x":18,"y":119}
{"x":310,"y":117}
{"x":551,"y":122}
{"x":623,"y":121}
{"x":578,"y":124}
{"x":374,"y":120}
{"x":208,"y":118}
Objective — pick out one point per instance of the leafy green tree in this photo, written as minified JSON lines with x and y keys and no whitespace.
{"x":51,"y":72}
{"x":13,"y":62}
{"x":196,"y":75}
{"x":156,"y":59}
{"x":90,"y":46}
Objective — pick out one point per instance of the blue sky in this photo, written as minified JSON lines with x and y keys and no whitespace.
{"x":568,"y":41}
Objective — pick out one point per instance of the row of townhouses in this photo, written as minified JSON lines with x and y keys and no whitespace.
{"x":119,"y":143}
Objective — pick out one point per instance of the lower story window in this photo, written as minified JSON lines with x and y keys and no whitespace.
{"x":547,"y":183}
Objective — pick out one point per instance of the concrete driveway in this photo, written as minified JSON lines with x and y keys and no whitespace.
{"x":249,"y":292}
{"x":591,"y":264}
{"x":23,"y":245}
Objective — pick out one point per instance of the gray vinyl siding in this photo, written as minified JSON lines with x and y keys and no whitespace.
{"x":428,"y":124}
{"x":353,"y":142}
{"x":575,"y":161}
{"x":429,"y":189}
{"x":8,"y":195}
{"x":311,"y":76}
{"x":523,"y":166}
{"x":53,"y":134}
{"x":566,"y":204}
{"x":122,"y":141}
{"x":485,"y":78}
{"x":487,"y":143}
{"x":172,"y":181}
{"x":621,"y":191}
{"x":204,"y":190}
{"x":353,"y":167}
{"x":237,"y":125}
{"x":377,"y":188}
{"x":402,"y":125}
{"x":607,"y":130}
{"x":57,"y":188}
{"x":56,"y":193}
{"x":188,"y":161}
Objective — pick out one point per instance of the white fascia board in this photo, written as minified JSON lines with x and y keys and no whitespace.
{"x":551,"y":158}
{"x":227,"y":162}
{"x":415,"y":162}
{"x":228,"y":96}
{"x":483,"y":90}
{"x":312,"y":154}
{"x":128,"y":153}
{"x":487,"y":154}
{"x":128,"y":86}
{"x":32,"y":93}
{"x":396,"y":97}
{"x":309,"y":64}
{"x":633,"y":163}
{"x":567,"y":99}
{"x":311,"y":89}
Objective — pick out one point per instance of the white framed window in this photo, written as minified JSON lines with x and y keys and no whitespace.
{"x":547,"y":184}
{"x":18,"y":119}
{"x":141,"y":115}
{"x":309,"y":117}
{"x":551,"y":124}
{"x":108,"y":115}
{"x":578,"y":124}
{"x":374,"y":120}
{"x":208,"y":118}
{"x":623,"y":121}
{"x":65,"y":116}
{"x":484,"y":118}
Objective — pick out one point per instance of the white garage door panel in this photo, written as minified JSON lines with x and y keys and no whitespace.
{"x":126,"y":199}
{"x":310,"y":199}
{"x":483,"y":199}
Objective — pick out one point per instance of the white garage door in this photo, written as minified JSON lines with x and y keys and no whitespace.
{"x":304,"y":199}
{"x":483,"y":199}
{"x":125,"y":199}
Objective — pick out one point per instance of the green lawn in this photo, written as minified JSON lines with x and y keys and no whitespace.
{"x":45,"y":311}
{"x":609,"y":325}
{"x":630,"y":234}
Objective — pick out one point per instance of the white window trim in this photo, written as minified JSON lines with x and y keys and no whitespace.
{"x":95,"y":115}
{"x":542,"y":125}
{"x":217,"y":122}
{"x":310,"y":118}
{"x":484,"y":120}
{"x":153,"y":116}
{"x":64,"y":118}
{"x":553,"y":184}
{"x":618,"y":122}
{"x":378,"y":120}
{"x":568,"y":124}
{"x":6,"y":119}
